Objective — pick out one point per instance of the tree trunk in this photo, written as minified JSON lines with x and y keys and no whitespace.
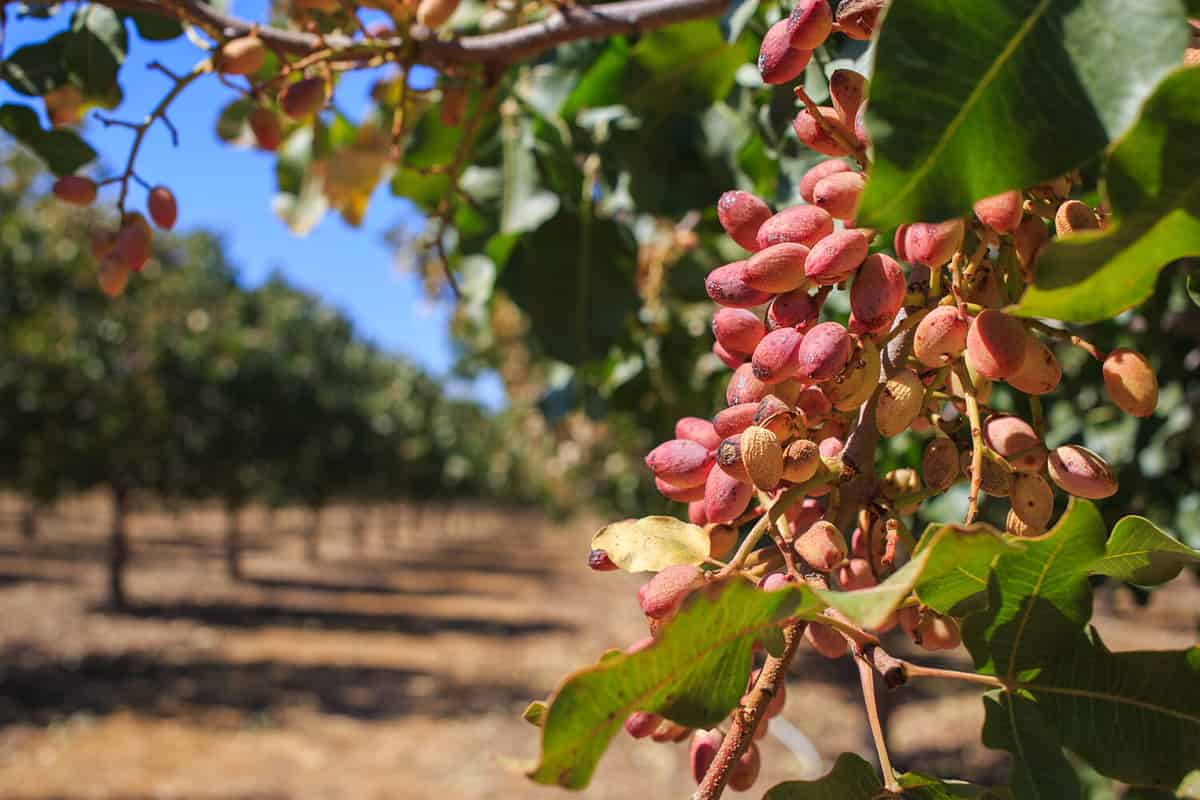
{"x":118,"y":549}
{"x":358,"y":530}
{"x":233,"y":544}
{"x":418,"y":518}
{"x":29,"y":522}
{"x":311,"y":550}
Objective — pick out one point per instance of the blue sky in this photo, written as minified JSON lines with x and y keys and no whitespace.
{"x":229,"y":191}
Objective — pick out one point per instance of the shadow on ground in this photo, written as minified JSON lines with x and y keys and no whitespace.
{"x":238,"y":615}
{"x":35,"y":688}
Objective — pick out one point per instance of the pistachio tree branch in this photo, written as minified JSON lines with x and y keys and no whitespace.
{"x":858,"y":456}
{"x":747,"y":718}
{"x":571,"y":22}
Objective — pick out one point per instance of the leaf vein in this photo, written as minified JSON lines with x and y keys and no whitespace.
{"x":1005,"y":55}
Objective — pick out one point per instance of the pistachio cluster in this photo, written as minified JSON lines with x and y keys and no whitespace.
{"x":803,"y":378}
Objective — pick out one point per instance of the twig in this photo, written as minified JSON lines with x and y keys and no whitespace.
{"x":976,"y":442}
{"x":440,"y":244}
{"x":782,"y":540}
{"x":159,"y":112}
{"x":570,"y":23}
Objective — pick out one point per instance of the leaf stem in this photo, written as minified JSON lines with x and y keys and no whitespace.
{"x":866,"y":676}
{"x":918,"y":671}
{"x":1066,"y":336}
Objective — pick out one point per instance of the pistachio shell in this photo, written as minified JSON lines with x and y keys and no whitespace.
{"x":762,"y":457}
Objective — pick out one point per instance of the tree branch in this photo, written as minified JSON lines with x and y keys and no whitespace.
{"x":570,"y":23}
{"x":858,"y":456}
{"x":747,"y":718}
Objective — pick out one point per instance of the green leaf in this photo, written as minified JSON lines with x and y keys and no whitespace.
{"x":524,"y":205}
{"x":1138,"y":551}
{"x":96,"y":48}
{"x":1039,"y":599}
{"x":686,"y":63}
{"x":1153,"y":180}
{"x":971,"y":99}
{"x":1040,"y":771}
{"x":38,"y":69}
{"x":153,"y":27}
{"x":950,"y":564}
{"x":693,"y":675}
{"x":425,"y":190}
{"x":232,"y":123}
{"x":1145,"y":703}
{"x":601,"y":84}
{"x":63,"y":150}
{"x":851,"y":778}
{"x":653,"y":543}
{"x":924,"y":787}
{"x":431,"y":143}
{"x":575,"y":277}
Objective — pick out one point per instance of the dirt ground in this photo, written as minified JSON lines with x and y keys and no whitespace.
{"x":398,"y":671}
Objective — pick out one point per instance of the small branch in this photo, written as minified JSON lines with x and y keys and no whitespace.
{"x":440,"y":244}
{"x":866,"y":677}
{"x":780,"y":532}
{"x":159,"y":112}
{"x":890,"y":668}
{"x":568,"y":24}
{"x":858,"y":456}
{"x":747,"y":718}
{"x":976,"y":442}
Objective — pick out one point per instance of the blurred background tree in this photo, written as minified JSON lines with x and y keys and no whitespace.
{"x":191,"y":388}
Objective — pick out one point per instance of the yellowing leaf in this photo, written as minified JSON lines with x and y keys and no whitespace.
{"x":652,"y":543}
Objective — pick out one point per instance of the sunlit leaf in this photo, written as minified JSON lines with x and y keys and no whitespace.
{"x":651,"y":544}
{"x":950,"y":564}
{"x":972,"y":99}
{"x":1138,"y":551}
{"x":1039,"y":598}
{"x":693,"y":674}
{"x":1153,"y":180}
